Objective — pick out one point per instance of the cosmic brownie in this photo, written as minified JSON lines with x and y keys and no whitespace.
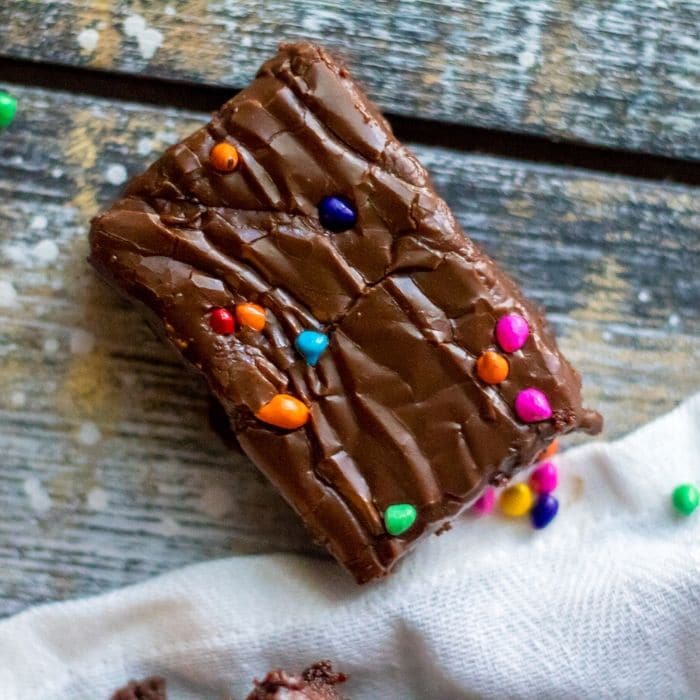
{"x":372,"y":361}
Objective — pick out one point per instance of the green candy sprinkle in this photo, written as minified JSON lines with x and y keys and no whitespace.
{"x":399,"y":518}
{"x":8,"y":109}
{"x":686,"y":498}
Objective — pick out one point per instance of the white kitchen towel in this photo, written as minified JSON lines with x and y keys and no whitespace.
{"x":604,"y":603}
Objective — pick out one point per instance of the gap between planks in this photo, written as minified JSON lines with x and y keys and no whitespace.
{"x":616,"y":73}
{"x":203,"y":98}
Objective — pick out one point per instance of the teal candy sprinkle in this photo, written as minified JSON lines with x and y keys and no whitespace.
{"x":311,"y":345}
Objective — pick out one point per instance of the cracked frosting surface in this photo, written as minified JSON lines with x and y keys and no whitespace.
{"x":397,"y":411}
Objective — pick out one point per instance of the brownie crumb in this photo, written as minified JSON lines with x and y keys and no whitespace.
{"x":564,"y":419}
{"x":315,"y":683}
{"x":499,"y":479}
{"x":152,"y":688}
{"x":322,"y":672}
{"x":445,"y":527}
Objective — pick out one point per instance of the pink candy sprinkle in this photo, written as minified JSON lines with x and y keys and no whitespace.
{"x":544,"y":478}
{"x":486,"y":502}
{"x":512,"y":332}
{"x":532,"y":406}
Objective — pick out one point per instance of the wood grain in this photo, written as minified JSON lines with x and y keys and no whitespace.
{"x":616,"y":73}
{"x":110,"y":472}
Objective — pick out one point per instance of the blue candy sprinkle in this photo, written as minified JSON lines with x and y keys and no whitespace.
{"x":544,"y":510}
{"x":311,"y":345}
{"x":336,"y":214}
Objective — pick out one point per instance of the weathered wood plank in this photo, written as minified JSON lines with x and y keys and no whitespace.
{"x":110,"y":472}
{"x":617,"y":73}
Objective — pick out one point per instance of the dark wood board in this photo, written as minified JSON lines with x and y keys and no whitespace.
{"x":615,"y":73}
{"x":110,"y":472}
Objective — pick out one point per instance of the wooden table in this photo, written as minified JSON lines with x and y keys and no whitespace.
{"x":566,"y":136}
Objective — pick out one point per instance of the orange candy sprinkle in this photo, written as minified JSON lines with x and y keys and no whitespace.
{"x":491,"y":367}
{"x":551,"y":450}
{"x":284,"y":411}
{"x":224,"y":157}
{"x":251,"y":315}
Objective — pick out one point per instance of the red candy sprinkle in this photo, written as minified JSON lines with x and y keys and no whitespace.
{"x":222,"y":322}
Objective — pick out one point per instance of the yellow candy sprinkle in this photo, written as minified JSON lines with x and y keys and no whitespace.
{"x":516,"y":500}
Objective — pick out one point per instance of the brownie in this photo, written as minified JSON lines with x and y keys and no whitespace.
{"x":316,"y":683}
{"x":152,"y":688}
{"x":371,"y":360}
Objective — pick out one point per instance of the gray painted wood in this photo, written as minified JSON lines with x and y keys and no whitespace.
{"x":110,"y":472}
{"x":617,"y":73}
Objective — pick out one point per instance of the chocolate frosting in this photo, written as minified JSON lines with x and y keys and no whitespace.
{"x":397,"y":411}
